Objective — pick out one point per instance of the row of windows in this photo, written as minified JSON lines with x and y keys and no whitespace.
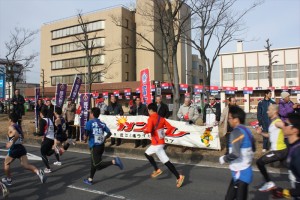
{"x":92,"y":26}
{"x":75,"y":46}
{"x":77,"y":62}
{"x":69,"y":79}
{"x":252,"y":74}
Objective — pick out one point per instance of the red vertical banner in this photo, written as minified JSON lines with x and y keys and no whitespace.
{"x":145,"y":86}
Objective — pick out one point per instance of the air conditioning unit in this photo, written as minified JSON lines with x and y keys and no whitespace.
{"x":291,"y":82}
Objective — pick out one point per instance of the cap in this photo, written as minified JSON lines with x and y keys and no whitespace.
{"x":284,"y":94}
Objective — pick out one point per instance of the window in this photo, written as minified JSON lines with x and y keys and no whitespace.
{"x":201,"y":68}
{"x":278,"y":71}
{"x":126,"y":58}
{"x":77,"y":62}
{"x":126,"y":23}
{"x":291,"y":71}
{"x":126,"y":41}
{"x":227,"y":74}
{"x":194,"y":65}
{"x":263,"y":72}
{"x":239,"y":73}
{"x":252,"y":73}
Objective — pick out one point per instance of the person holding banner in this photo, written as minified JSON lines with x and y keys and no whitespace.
{"x":211,"y":112}
{"x":155,"y":127}
{"x":187,"y":112}
{"x":97,"y":132}
{"x":242,"y":148}
{"x":115,"y":109}
{"x":70,"y":117}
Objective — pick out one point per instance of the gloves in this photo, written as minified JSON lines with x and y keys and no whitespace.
{"x":186,"y":117}
{"x":191,"y":122}
{"x":221,"y":160}
{"x":281,"y":193}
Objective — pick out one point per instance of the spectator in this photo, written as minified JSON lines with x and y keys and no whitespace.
{"x":224,"y":119}
{"x":115,"y":109}
{"x":102,"y":106}
{"x":18,"y":105}
{"x":70,"y":117}
{"x":50,"y":109}
{"x":263,"y":118}
{"x":1,"y":107}
{"x":286,"y":106}
{"x":187,"y":112}
{"x":139,"y":109}
{"x":162,"y":108}
{"x":39,"y":105}
{"x":211,"y":112}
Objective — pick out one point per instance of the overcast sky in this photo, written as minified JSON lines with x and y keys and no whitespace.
{"x":278,"y":20}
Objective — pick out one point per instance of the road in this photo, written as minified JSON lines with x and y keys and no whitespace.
{"x":134,"y":182}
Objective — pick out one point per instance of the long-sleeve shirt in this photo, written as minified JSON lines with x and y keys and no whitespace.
{"x":294,"y":167}
{"x":285,"y":108}
{"x":187,"y":113}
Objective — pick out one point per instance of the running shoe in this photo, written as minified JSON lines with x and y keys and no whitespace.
{"x":268,"y":186}
{"x":47,"y":171}
{"x":156,"y":173}
{"x":86,"y":181}
{"x":4,"y":189}
{"x":42,"y":176}
{"x":119,"y":163}
{"x":6,"y":181}
{"x":57,"y":163}
{"x":179,"y":181}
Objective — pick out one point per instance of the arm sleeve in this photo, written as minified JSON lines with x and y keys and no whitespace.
{"x":22,"y":100}
{"x":236,"y":138}
{"x":149,"y":127}
{"x":218,"y":112}
{"x":179,"y":113}
{"x":259,"y":110}
{"x":204,"y":113}
{"x":106,"y":129}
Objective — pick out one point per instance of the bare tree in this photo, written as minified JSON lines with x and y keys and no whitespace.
{"x":17,"y":62}
{"x":171,"y":20}
{"x":215,"y":23}
{"x":271,"y":62}
{"x":89,"y":42}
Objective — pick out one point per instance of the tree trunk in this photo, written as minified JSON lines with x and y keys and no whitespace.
{"x":176,"y":95}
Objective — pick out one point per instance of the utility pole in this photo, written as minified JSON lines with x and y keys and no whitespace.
{"x":43,"y":82}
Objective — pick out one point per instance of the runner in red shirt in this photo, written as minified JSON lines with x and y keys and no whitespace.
{"x":155,"y":127}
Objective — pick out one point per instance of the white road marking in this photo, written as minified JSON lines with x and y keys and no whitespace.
{"x":30,"y":156}
{"x":96,"y":192}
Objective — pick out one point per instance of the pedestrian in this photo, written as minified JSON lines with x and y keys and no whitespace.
{"x":187,"y":112}
{"x":242,"y":148}
{"x":18,"y":106}
{"x":115,"y":109}
{"x":263,"y":118}
{"x":97,"y":132}
{"x":155,"y":127}
{"x":291,"y":129}
{"x":162,"y":108}
{"x":70,"y":117}
{"x":278,"y":151}
{"x":211,"y":112}
{"x":16,"y":150}
{"x":224,"y":119}
{"x":47,"y":128}
{"x":139,"y":109}
{"x":1,"y":107}
{"x":50,"y":110}
{"x":103,"y":107}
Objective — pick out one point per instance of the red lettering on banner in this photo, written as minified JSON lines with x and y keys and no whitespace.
{"x":143,"y":124}
{"x":129,"y":126}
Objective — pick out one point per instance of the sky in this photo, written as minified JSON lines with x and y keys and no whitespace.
{"x":278,"y":20}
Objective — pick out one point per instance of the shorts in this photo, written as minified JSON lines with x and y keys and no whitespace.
{"x":159,"y":151}
{"x":46,"y":147}
{"x":17,"y":151}
{"x":61,"y":137}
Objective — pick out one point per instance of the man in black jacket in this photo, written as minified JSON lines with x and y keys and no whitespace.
{"x":139,"y":109}
{"x":18,"y":105}
{"x":115,"y":109}
{"x":162,"y":109}
{"x":50,"y":112}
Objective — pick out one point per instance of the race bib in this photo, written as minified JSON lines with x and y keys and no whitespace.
{"x":99,"y":139}
{"x":161,"y":133}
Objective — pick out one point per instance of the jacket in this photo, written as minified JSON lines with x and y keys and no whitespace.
{"x":214,"y":109}
{"x":262,"y":115}
{"x":285,"y":109}
{"x":187,"y":113}
{"x":115,"y":109}
{"x":70,"y":112}
{"x":163,"y":110}
{"x":103,"y":108}
{"x":153,"y":125}
{"x":224,"y":119}
{"x":138,"y":110}
{"x":19,"y":107}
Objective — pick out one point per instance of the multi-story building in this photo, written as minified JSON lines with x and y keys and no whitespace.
{"x":62,"y":57}
{"x":250,"y":68}
{"x":198,"y":71}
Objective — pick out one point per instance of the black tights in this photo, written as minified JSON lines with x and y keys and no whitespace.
{"x":237,"y":190}
{"x":96,"y":160}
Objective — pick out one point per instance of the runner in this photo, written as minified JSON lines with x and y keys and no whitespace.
{"x":278,"y":151}
{"x":95,"y":133}
{"x":4,"y":190}
{"x":17,"y":150}
{"x":60,"y":135}
{"x":291,"y":130}
{"x":155,"y":127}
{"x":240,"y":155}
{"x":47,"y":128}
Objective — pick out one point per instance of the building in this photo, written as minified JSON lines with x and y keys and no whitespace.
{"x":249,"y":68}
{"x":198,"y":71}
{"x":62,"y":56}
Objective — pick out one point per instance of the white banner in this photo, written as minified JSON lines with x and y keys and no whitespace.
{"x":131,"y":127}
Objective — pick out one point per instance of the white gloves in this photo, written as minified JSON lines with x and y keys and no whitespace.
{"x":221,"y":160}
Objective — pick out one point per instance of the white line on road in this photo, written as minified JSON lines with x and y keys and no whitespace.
{"x":30,"y":156}
{"x":96,"y":192}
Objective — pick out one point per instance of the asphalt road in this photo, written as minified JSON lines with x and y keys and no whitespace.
{"x":134,"y":182}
